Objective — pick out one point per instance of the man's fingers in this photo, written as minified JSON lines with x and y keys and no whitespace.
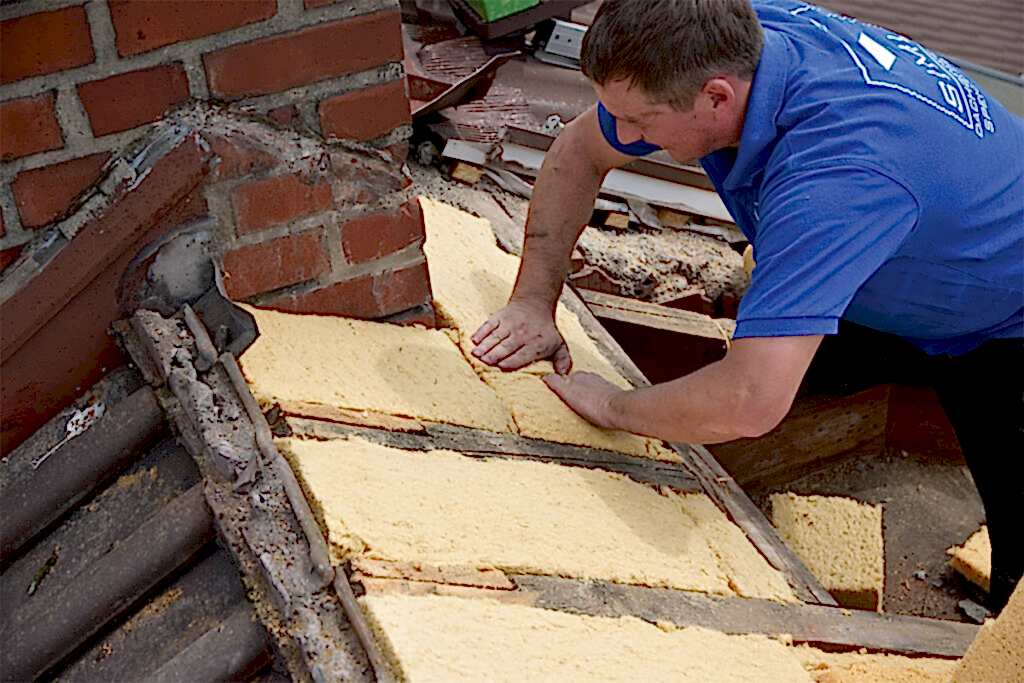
{"x":557,"y":383}
{"x":489,"y":326}
{"x":520,"y":358}
{"x":562,"y":360}
{"x":489,"y":342}
{"x":503,"y":350}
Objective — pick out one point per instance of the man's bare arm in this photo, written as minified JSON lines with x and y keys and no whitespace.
{"x":563,"y":199}
{"x":745,"y":394}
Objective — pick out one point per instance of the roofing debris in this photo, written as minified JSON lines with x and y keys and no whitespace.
{"x":501,"y":134}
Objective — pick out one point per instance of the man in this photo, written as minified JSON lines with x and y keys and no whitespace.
{"x":883,"y":194}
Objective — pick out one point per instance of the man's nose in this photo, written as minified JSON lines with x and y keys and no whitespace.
{"x":628,"y":132}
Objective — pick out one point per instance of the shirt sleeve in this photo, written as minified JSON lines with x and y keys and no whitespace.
{"x":821,"y":234}
{"x":609,"y":128}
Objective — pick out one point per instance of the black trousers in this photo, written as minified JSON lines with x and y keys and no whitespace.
{"x":982,"y":393}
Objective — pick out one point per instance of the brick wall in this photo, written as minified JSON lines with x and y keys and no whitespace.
{"x":298,"y":112}
{"x":80,"y":82}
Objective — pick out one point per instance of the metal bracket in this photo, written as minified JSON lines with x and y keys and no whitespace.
{"x":562,"y":46}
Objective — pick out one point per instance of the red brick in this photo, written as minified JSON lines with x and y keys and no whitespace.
{"x":423,"y":315}
{"x":104,"y":239}
{"x":382,"y":233}
{"x":365,"y":178}
{"x":403,"y":289}
{"x":367,"y":296}
{"x":274,"y":264}
{"x":277,"y":200}
{"x":144,"y":26}
{"x":329,"y":50}
{"x":133,"y":99}
{"x":399,"y":151}
{"x":238,"y":157}
{"x":9,"y":256}
{"x":365,"y":114}
{"x":192,"y":208}
{"x":42,"y":43}
{"x":283,"y":116}
{"x":45,"y":194}
{"x":29,"y":125}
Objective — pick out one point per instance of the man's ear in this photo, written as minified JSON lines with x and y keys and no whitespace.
{"x":719,"y":92}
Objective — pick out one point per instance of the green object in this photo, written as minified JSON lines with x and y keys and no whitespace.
{"x":492,"y":10}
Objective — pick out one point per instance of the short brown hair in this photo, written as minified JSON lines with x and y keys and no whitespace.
{"x":670,"y":48}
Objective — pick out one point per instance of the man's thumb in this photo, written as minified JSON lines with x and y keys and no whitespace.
{"x":562,"y":360}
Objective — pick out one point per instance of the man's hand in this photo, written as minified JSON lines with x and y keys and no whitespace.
{"x":518,"y":335}
{"x":589,"y":396}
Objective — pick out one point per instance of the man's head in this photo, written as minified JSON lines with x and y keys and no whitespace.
{"x":674,"y":69}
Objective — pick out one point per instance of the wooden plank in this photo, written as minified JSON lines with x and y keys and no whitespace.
{"x":493,"y":579}
{"x":476,"y":443}
{"x":715,"y":481}
{"x":815,"y":624}
{"x":373,"y":584}
{"x":817,"y":432}
{"x":633,"y":311}
{"x":360,"y":418}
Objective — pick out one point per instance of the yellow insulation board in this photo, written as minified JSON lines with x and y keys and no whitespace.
{"x":973,"y":559}
{"x":840,"y":541}
{"x":997,"y":653}
{"x":444,"y":509}
{"x":854,"y":667}
{"x":311,"y":364}
{"x":472,"y":278}
{"x":450,"y":639}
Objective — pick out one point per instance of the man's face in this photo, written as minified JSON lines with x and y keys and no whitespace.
{"x":685,"y":135}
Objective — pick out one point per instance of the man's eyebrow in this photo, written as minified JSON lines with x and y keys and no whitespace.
{"x":635,"y":119}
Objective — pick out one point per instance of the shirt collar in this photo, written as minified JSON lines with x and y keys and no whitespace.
{"x":760,"y":129}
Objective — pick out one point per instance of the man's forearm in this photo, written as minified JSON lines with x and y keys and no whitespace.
{"x":562,"y":202}
{"x":711,"y":405}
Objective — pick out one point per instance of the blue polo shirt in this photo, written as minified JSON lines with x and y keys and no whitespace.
{"x":877,"y":183}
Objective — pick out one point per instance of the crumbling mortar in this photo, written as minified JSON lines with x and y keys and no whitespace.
{"x":290,"y":8}
{"x":74,"y":124}
{"x":198,"y":87}
{"x":309,"y":116}
{"x":332,"y":243}
{"x":330,"y":87}
{"x":102,"y":28}
{"x":14,"y":234}
{"x":396,"y":135}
